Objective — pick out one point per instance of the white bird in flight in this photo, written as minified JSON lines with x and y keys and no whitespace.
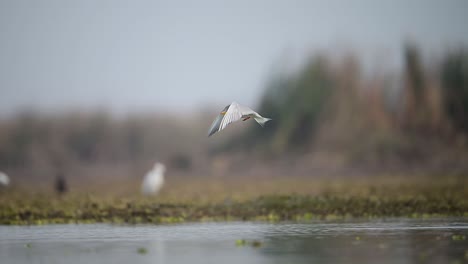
{"x":154,"y":180}
{"x":233,"y":113}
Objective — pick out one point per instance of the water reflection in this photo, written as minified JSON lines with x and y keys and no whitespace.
{"x":391,"y":241}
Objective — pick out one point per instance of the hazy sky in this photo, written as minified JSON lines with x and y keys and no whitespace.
{"x":155,"y":55}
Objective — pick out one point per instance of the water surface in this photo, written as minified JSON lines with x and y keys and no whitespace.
{"x":378,"y":241}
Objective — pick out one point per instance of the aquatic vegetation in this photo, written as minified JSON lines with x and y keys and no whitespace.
{"x":256,"y":244}
{"x":458,"y":237}
{"x":142,"y":251}
{"x":329,"y":202}
{"x":241,"y":242}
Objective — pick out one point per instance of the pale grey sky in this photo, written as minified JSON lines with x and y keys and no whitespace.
{"x":155,"y":55}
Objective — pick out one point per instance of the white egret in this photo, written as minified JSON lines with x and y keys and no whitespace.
{"x":4,"y":179}
{"x":233,"y":113}
{"x":154,"y":180}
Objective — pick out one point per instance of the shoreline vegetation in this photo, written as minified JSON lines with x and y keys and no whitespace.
{"x":326,"y":200}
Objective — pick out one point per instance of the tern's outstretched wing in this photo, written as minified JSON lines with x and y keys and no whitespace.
{"x":217,"y":122}
{"x":233,"y":114}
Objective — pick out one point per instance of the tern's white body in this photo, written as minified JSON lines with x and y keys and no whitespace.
{"x":233,"y":113}
{"x":154,"y":180}
{"x":4,"y":179}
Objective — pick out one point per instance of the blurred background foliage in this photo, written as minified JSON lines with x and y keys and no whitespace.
{"x":455,"y":82}
{"x":326,"y":114}
{"x":330,"y":112}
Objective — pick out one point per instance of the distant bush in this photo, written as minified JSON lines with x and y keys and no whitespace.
{"x":455,"y":82}
{"x":181,"y":161}
{"x":295,"y":103}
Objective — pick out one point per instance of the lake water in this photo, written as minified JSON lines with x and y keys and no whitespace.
{"x":379,"y":241}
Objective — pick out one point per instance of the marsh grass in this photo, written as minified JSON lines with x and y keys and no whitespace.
{"x":247,"y":199}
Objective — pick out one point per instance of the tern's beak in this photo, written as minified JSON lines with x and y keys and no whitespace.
{"x":223,"y":112}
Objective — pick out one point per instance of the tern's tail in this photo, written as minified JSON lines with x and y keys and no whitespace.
{"x":261,"y":120}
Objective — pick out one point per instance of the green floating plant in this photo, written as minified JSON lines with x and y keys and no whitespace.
{"x":142,"y":251}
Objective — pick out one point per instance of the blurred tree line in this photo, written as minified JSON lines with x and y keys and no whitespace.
{"x":331,"y":107}
{"x":325,"y":106}
{"x":29,"y":139}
